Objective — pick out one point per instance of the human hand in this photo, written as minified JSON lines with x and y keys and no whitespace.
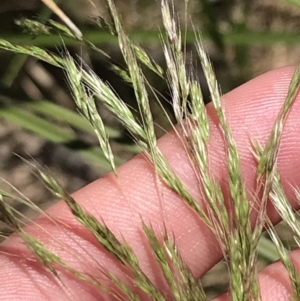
{"x":251,"y":110}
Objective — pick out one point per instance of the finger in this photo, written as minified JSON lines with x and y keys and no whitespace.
{"x":251,"y":110}
{"x":274,"y":281}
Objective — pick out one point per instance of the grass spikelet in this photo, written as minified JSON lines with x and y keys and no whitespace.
{"x":137,"y":78}
{"x":162,"y":259}
{"x":267,"y":159}
{"x":176,"y":65}
{"x":86,"y":104}
{"x":182,"y":283}
{"x":288,"y":263}
{"x":267,"y":162}
{"x":283,"y":206}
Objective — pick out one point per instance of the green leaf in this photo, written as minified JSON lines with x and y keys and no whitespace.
{"x":63,"y":114}
{"x":51,"y":132}
{"x":36,"y":124}
{"x":294,"y":2}
{"x":233,"y":37}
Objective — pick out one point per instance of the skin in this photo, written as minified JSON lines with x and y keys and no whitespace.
{"x":251,"y":110}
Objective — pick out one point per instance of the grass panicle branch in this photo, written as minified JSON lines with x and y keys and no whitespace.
{"x":121,"y":251}
{"x":239,"y":243}
{"x":35,"y":51}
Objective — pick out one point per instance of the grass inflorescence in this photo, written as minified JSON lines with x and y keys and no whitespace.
{"x":230,"y":222}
